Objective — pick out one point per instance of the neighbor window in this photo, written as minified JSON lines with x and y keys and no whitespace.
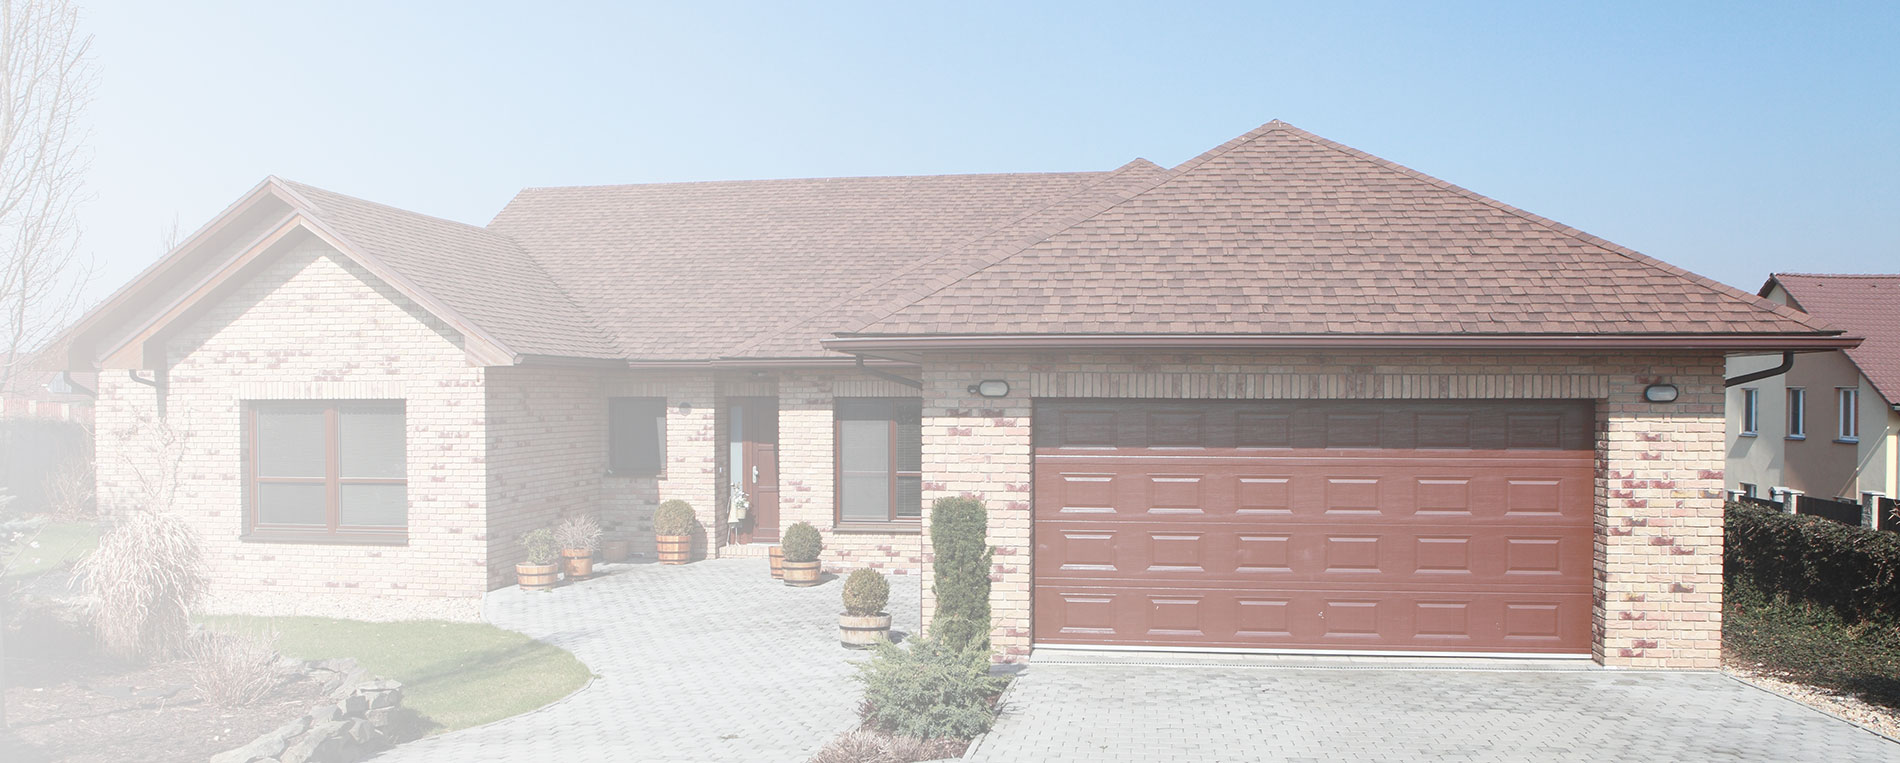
{"x":879,"y":443}
{"x":1797,"y":413}
{"x":636,"y":435}
{"x":1751,"y":490}
{"x":1751,"y":410}
{"x":326,"y":470}
{"x":1849,"y":410}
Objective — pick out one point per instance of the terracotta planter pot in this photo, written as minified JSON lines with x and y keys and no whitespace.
{"x":675,"y":549}
{"x":861,"y":631}
{"x":801,"y":574}
{"x":580,"y":562}
{"x":615,"y":550}
{"x":537,"y":577}
{"x":778,"y":563}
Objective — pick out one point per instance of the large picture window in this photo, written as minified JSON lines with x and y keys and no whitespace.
{"x":880,"y":448}
{"x":326,"y":471}
{"x":636,"y":436}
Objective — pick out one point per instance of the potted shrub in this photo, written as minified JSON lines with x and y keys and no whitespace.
{"x":539,"y":572}
{"x":802,"y":546}
{"x":864,"y":621}
{"x":673,"y":528}
{"x":579,"y":538}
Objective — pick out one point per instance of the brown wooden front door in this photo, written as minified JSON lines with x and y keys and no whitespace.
{"x":754,"y":435}
{"x":1418,"y":526}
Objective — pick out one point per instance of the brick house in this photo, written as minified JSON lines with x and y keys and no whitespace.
{"x":1285,"y":395}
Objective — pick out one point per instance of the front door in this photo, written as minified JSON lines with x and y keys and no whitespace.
{"x":754,"y":438}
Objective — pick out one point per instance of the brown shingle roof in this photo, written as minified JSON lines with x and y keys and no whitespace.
{"x":1282,"y":232}
{"x":480,"y":274}
{"x":1867,"y":306}
{"x":687,"y":271}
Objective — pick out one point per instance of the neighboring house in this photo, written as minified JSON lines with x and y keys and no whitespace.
{"x":1286,"y":395}
{"x":1829,"y":427}
{"x":41,"y":394}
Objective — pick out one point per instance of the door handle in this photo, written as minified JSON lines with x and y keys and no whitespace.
{"x":755,"y":475}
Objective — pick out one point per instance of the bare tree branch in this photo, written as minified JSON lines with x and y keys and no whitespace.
{"x":46,"y":80}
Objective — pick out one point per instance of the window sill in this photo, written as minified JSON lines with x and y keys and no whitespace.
{"x":362,"y":538}
{"x":1848,"y":440}
{"x":1796,"y":437}
{"x":883,"y":528}
{"x":1750,"y":434}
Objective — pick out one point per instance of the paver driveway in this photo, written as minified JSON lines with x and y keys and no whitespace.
{"x":1237,"y":710}
{"x":711,"y":661}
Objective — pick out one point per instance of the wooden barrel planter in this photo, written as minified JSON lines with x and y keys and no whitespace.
{"x":580,"y":563}
{"x":801,"y":574}
{"x":537,"y":577}
{"x":778,"y":563}
{"x":860,"y":632}
{"x":675,"y":549}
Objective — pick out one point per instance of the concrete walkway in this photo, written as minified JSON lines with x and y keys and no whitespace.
{"x":1243,"y":709}
{"x":711,"y":661}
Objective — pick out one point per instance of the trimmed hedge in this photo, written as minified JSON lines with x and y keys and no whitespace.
{"x":675,"y":518}
{"x":959,"y":529}
{"x":1851,"y":570}
{"x":866,"y":592}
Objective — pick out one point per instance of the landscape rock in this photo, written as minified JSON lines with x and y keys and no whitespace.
{"x":355,"y":724}
{"x":352,"y":705}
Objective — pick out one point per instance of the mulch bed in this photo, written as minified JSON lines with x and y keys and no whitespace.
{"x":85,"y":711}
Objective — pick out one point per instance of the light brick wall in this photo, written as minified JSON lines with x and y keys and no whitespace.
{"x":547,"y":455}
{"x":1659,"y":548}
{"x":313,"y":325}
{"x":692,"y":453}
{"x":807,"y":469}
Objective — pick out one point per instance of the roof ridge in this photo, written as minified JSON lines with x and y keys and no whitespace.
{"x":1557,"y":227}
{"x":1836,"y":275}
{"x":296,"y":189}
{"x":747,"y":181}
{"x":1106,"y":176}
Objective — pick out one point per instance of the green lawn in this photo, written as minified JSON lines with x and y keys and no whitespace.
{"x":454,"y":675}
{"x":57,"y":544}
{"x":1811,"y":644}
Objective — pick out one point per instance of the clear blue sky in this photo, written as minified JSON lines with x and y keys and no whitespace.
{"x":1730,"y":139}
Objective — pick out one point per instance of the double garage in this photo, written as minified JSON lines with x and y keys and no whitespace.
{"x":1460,"y":527}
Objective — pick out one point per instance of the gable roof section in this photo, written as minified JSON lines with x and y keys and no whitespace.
{"x":692,"y":271}
{"x":1282,"y":233}
{"x":1867,"y":306}
{"x":477,"y":281}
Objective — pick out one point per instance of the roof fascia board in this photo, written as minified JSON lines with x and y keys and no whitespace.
{"x":1311,"y":341}
{"x":129,"y":353}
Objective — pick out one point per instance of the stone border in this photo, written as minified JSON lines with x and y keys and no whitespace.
{"x":356,"y":721}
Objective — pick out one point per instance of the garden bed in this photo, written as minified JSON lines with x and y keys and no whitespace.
{"x":1810,"y":653}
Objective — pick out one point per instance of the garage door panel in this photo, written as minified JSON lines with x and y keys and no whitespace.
{"x":1304,"y":552}
{"x":1326,"y":619}
{"x":1463,"y":526}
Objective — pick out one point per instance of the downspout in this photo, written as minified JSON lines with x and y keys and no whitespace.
{"x":157,"y":383}
{"x":1787,"y":363}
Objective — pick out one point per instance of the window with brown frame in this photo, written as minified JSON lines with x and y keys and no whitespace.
{"x":879,"y":448}
{"x":636,"y":436}
{"x":326,"y":471}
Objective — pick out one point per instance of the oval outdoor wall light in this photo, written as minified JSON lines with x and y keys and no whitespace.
{"x":1660,"y":393}
{"x":990,"y":388}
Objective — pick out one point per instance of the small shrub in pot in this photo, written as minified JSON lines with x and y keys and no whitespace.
{"x":864,"y":621}
{"x":802,"y":546}
{"x":579,"y":538}
{"x":539,"y":572}
{"x":673,"y":527}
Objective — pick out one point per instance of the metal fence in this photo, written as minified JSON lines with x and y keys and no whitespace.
{"x":1839,"y":511}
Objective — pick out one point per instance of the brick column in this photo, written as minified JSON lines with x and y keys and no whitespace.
{"x":981,"y":446}
{"x":1659,"y":539}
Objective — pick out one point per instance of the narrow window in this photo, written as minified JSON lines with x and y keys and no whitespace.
{"x":1849,"y":409}
{"x":325,"y":470}
{"x":1797,"y":413}
{"x":636,"y":435}
{"x":1751,"y":411}
{"x":879,"y":452}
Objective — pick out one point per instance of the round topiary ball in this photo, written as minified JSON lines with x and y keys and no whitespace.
{"x":801,"y":543}
{"x":674,"y":518}
{"x":865,"y":593}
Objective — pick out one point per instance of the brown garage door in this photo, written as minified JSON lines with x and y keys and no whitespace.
{"x":1406,"y":526}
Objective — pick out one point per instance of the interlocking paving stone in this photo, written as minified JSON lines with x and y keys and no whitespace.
{"x":710,"y":661}
{"x":1210,"y":713}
